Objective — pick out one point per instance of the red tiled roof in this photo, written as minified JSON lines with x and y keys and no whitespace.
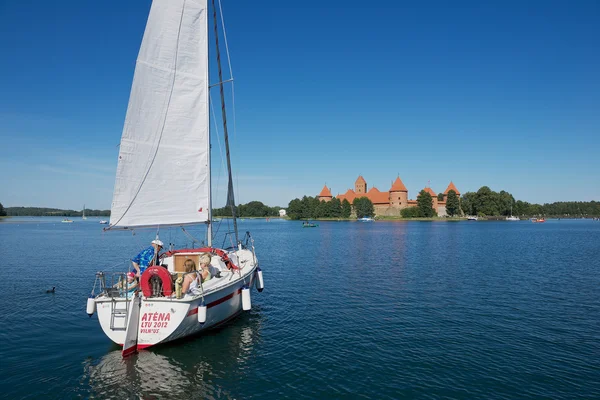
{"x":374,"y":195}
{"x":451,"y":187}
{"x":349,"y":195}
{"x":360,"y":179}
{"x":325,"y":192}
{"x":378,"y":197}
{"x":431,"y":192}
{"x":398,"y":186}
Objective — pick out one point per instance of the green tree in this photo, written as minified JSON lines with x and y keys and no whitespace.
{"x":346,"y":209}
{"x":335,"y":208}
{"x":486,"y":202}
{"x":505,"y":201}
{"x":425,"y":204}
{"x":322,"y":210}
{"x":294,"y":210}
{"x":452,"y":204}
{"x":467,"y":203}
{"x":363,"y":207}
{"x":410,"y":212}
{"x":2,"y":210}
{"x":440,"y":196}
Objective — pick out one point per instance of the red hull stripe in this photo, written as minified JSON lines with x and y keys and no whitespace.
{"x":215,"y":303}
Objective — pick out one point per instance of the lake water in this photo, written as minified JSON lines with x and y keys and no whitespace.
{"x":383,"y":310}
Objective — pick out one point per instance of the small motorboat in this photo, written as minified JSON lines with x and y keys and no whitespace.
{"x":366,"y":219}
{"x":472,"y":218}
{"x":307,"y":224}
{"x":538,"y":220}
{"x":67,"y":221}
{"x":104,"y":222}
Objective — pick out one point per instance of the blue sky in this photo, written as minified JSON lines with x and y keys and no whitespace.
{"x":504,"y":94}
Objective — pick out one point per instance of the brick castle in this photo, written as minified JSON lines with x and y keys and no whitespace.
{"x":390,"y":202}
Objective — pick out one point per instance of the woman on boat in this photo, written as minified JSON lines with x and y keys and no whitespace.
{"x":205,"y":267}
{"x":190,"y":280}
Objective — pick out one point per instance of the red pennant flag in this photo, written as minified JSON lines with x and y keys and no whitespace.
{"x":200,"y":210}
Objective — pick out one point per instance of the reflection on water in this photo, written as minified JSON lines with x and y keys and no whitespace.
{"x":192,"y":368}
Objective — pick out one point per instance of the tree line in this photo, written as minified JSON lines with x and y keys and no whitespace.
{"x":484,"y":202}
{"x":312,"y":208}
{"x":251,"y":209}
{"x":52,"y":212}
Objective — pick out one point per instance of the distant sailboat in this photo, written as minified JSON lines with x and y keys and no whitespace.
{"x":511,"y":218}
{"x":83,"y":215}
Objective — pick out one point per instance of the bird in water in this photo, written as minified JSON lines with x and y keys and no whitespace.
{"x":51,"y":290}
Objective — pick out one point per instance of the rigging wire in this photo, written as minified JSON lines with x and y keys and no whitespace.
{"x":230,"y":192}
{"x":237,"y":180}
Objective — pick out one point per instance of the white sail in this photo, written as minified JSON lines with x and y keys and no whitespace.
{"x":163,"y":168}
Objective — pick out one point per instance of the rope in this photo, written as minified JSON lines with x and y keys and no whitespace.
{"x":194,"y":240}
{"x":163,"y":123}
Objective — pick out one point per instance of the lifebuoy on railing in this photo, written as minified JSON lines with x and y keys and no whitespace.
{"x":221,"y":253}
{"x":163,"y":274}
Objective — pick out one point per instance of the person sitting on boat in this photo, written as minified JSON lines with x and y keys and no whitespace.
{"x":190,"y":279}
{"x":130,"y":284}
{"x":146,"y":257}
{"x":205,"y":267}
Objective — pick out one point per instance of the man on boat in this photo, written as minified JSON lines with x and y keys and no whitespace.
{"x":146,"y":257}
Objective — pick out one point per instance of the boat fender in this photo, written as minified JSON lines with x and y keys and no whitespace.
{"x":246,"y":302}
{"x":91,"y":306}
{"x":202,"y":313}
{"x":260,"y":284}
{"x":163,"y":274}
{"x":179,"y":287}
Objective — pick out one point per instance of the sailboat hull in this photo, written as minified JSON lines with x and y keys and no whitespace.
{"x":165,"y":319}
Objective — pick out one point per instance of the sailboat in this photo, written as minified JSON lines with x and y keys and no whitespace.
{"x":512,"y":218}
{"x":163,"y":179}
{"x":83,"y":214}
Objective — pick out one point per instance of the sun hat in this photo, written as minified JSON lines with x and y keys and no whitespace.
{"x":158,"y":242}
{"x":131,"y":275}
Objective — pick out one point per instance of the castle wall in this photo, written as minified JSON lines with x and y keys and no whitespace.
{"x":386,"y":210}
{"x":441,"y":210}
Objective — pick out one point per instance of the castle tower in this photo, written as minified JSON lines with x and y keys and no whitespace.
{"x":325,"y":194}
{"x":449,"y":188}
{"x":360,"y":186}
{"x":398,"y":194}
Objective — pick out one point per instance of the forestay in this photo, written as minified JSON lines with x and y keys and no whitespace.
{"x":163,"y":168}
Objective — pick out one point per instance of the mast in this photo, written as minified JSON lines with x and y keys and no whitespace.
{"x":230,"y":194}
{"x":209,"y":222}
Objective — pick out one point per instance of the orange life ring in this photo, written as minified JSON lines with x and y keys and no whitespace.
{"x":163,"y":274}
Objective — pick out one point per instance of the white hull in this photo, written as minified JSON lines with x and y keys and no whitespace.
{"x":165,"y":319}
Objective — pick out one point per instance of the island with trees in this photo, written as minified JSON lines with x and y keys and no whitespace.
{"x":484,"y":203}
